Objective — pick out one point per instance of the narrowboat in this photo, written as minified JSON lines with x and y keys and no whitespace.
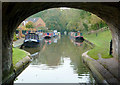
{"x":55,"y":33}
{"x":31,"y":40}
{"x":78,"y":37}
{"x":47,"y":35}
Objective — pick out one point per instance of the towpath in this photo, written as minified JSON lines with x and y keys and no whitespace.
{"x":110,"y":70}
{"x":18,"y":42}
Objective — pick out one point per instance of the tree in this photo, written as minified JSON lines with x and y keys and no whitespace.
{"x":85,"y":26}
{"x":30,"y":25}
{"x":69,"y":19}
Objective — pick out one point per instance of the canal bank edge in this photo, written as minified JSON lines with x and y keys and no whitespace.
{"x":92,"y":45}
{"x":101,"y":74}
{"x":23,"y":61}
{"x":18,"y":68}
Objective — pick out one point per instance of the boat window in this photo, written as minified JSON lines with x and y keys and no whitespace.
{"x":32,"y":36}
{"x":26,"y":36}
{"x":37,"y":36}
{"x":29,"y":36}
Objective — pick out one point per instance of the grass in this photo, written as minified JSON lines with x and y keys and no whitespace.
{"x":18,"y":54}
{"x":102,"y":44}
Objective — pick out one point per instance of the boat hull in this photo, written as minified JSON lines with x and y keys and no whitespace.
{"x":47,"y":37}
{"x":79,"y":39}
{"x":31,"y":44}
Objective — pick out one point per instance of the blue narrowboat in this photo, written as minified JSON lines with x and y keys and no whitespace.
{"x":31,"y":40}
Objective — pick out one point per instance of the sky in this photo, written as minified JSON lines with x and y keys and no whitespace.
{"x":62,"y":8}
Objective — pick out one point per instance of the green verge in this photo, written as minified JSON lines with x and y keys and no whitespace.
{"x":102,"y":44}
{"x":18,"y":54}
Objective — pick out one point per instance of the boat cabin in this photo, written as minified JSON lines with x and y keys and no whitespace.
{"x":31,"y":36}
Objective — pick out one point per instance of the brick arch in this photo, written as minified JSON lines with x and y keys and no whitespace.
{"x":14,"y":13}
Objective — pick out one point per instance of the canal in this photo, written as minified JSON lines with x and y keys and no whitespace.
{"x":57,"y":61}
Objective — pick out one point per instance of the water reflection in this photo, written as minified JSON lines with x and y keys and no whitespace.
{"x":33,"y":50}
{"x":52,"y":40}
{"x":58,"y":62}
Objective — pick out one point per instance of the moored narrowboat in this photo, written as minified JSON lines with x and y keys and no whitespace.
{"x":47,"y":35}
{"x":31,"y":40}
{"x":78,"y":37}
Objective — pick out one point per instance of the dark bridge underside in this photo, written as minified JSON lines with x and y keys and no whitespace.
{"x":14,"y":13}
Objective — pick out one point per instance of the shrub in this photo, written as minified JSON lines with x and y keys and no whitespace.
{"x":14,"y":37}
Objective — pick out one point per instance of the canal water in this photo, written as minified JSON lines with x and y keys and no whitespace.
{"x":58,"y":61}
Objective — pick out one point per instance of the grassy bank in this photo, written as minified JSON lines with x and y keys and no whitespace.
{"x":18,"y":54}
{"x":102,"y":42}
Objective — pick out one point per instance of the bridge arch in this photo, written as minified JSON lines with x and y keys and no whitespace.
{"x":14,"y":13}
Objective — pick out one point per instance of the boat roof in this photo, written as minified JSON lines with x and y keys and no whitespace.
{"x":32,"y":33}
